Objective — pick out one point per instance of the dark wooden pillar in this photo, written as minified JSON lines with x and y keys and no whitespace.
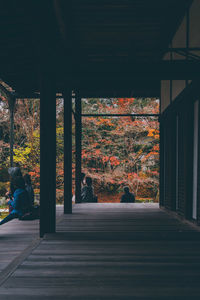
{"x":47,"y":155}
{"x":162,"y":161}
{"x":78,"y":148}
{"x":172,"y":128}
{"x":167,"y":164}
{"x":198,"y":169}
{"x":11,"y":106}
{"x":67,"y":151}
{"x":168,"y":161}
{"x":188,"y":148}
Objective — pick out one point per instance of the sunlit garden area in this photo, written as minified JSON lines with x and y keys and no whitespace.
{"x":120,"y":151}
{"x":117,"y":151}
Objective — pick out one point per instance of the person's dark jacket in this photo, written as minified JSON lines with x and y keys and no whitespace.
{"x":87,"y":194}
{"x":20,"y":202}
{"x":128,"y":198}
{"x":30,"y":192}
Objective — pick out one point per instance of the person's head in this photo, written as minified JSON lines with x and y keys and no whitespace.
{"x":18,"y":182}
{"x":126,"y":189}
{"x":88,"y":181}
{"x":14,"y":171}
{"x":27,"y":179}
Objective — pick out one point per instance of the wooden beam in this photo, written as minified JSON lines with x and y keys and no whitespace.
{"x":67,"y":151}
{"x":120,"y":115}
{"x":117,"y":92}
{"x":162,"y":70}
{"x":78,"y":148}
{"x":47,"y":155}
{"x":141,"y":78}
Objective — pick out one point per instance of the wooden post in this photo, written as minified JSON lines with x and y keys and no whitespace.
{"x":161,"y":176}
{"x":198,"y":170}
{"x":189,"y":141}
{"x":11,"y":102}
{"x":67,"y":151}
{"x":78,"y":148}
{"x":47,"y":155}
{"x":172,"y":129}
{"x":11,"y":132}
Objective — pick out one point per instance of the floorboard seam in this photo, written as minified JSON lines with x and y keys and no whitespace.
{"x":10,"y":269}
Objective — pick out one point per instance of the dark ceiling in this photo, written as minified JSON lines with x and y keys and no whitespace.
{"x":95,"y":46}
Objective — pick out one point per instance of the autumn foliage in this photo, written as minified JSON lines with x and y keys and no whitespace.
{"x":116,"y":151}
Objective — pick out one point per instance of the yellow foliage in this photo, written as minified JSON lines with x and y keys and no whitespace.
{"x":21,"y":154}
{"x":36,"y":134}
{"x":60,"y":130}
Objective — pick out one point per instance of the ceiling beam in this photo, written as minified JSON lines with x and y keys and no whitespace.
{"x":163,"y":70}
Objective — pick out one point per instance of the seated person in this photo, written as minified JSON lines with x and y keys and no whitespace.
{"x":13,"y":172}
{"x":127,"y":197}
{"x":87,"y":192}
{"x":82,"y":185}
{"x":29,"y":189}
{"x":20,"y":202}
{"x":82,"y":179}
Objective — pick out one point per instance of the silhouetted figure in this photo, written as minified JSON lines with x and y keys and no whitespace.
{"x":87,"y":192}
{"x":82,"y":179}
{"x":20,"y":202}
{"x":127,"y":197}
{"x":29,"y":189}
{"x":13,"y":172}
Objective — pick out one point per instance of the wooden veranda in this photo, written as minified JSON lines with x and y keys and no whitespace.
{"x":91,"y":49}
{"x":102,"y":251}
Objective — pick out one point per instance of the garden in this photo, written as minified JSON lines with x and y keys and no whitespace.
{"x":116,"y":150}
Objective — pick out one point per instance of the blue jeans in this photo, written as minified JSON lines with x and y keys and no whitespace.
{"x":10,"y":217}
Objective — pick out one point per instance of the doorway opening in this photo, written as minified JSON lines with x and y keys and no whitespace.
{"x":120,"y":147}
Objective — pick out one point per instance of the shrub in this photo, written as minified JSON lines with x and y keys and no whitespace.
{"x":4,"y":176}
{"x":3,"y":188}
